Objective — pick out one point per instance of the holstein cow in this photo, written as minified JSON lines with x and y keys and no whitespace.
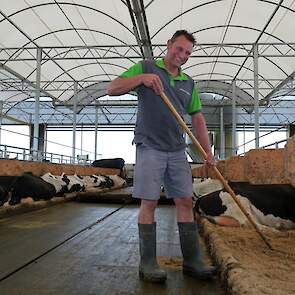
{"x":15,"y":188}
{"x":59,"y":183}
{"x":268,"y":205}
{"x":28,"y":185}
{"x":117,"y":180}
{"x":116,"y":163}
{"x":101,"y":181}
{"x":74,"y":183}
{"x":6,"y":183}
{"x":3,"y":195}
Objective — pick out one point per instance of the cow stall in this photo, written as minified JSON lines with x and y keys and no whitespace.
{"x":246,"y":265}
{"x":26,"y":186}
{"x":263,"y":180}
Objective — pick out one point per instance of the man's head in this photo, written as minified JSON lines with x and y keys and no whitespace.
{"x":180,"y":47}
{"x":190,"y":37}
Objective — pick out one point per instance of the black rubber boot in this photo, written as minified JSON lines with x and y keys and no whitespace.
{"x":149,"y":269}
{"x":192,"y":262}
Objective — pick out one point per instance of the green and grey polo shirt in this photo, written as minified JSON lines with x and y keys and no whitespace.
{"x":155,"y":125}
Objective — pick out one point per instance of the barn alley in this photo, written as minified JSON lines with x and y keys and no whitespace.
{"x":86,"y":248}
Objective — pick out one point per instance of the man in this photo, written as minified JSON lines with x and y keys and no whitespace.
{"x":160,"y":151}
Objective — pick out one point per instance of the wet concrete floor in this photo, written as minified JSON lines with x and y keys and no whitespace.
{"x":84,"y":248}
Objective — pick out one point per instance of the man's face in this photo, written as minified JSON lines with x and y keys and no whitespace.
{"x":179,"y":51}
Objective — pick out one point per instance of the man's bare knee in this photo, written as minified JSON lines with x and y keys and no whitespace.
{"x":149,"y":204}
{"x":184,"y":209}
{"x":147,"y":211}
{"x":185,"y":203}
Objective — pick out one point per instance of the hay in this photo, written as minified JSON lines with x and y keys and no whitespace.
{"x":246,"y":265}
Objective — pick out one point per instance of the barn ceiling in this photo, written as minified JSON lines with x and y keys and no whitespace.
{"x":82,"y":45}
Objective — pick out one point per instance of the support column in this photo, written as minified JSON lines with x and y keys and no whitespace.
{"x":40,"y":138}
{"x":244,"y":139}
{"x":37,"y":107}
{"x":1,"y":111}
{"x":74,"y":122}
{"x":234,"y":120}
{"x":81,"y":143}
{"x":45,"y":139}
{"x":227,"y":143}
{"x":256,"y":96}
{"x":222,"y":136}
{"x":95,"y":132}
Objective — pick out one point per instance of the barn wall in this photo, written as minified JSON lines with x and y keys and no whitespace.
{"x":16,"y":168}
{"x":258,"y":166}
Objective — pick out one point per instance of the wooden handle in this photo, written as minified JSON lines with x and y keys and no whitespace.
{"x":219,"y":176}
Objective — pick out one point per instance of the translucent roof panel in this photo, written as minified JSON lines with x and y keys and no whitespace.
{"x":86,"y":43}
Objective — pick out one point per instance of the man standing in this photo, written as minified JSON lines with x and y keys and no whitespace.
{"x":160,"y":151}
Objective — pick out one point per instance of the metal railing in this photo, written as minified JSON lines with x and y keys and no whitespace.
{"x":275,"y":144}
{"x":24,"y":154}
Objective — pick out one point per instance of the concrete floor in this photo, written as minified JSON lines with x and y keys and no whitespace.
{"x":84,"y":248}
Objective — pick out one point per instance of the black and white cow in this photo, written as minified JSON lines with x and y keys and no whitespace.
{"x":101,"y":181}
{"x":268,"y":205}
{"x":59,"y":182}
{"x":16,"y":189}
{"x":4,"y":195}
{"x":74,"y":183}
{"x":92,"y":181}
{"x":28,"y":185}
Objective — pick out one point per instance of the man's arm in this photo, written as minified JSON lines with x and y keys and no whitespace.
{"x":201,"y":133}
{"x":124,"y":85}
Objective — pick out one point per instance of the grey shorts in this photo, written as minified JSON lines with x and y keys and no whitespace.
{"x":154,"y":168}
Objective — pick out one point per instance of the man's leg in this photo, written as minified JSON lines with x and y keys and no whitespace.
{"x":184,"y":209}
{"x":147,"y":211}
{"x":188,"y":233}
{"x":149,"y":269}
{"x":148,"y":174}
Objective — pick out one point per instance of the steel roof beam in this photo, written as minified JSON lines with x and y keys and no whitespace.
{"x":268,"y":97}
{"x":142,"y":27}
{"x":15,"y":120}
{"x":24,"y":80}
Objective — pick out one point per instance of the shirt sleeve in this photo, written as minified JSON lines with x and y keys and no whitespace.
{"x":132,"y":71}
{"x":195,"y":103}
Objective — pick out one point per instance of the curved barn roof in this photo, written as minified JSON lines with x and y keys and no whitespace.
{"x":85,"y":44}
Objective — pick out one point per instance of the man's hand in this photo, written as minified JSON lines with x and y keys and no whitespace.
{"x":152,"y":81}
{"x":210,"y":160}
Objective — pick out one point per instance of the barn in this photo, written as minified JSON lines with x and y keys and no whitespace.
{"x":111,"y":109}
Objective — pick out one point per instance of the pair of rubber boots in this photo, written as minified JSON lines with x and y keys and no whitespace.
{"x":193,"y":266}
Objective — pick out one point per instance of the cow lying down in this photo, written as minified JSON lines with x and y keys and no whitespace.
{"x":269,"y":205}
{"x":14,"y":189}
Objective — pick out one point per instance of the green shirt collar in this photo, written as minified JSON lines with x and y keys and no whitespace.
{"x":181,"y":76}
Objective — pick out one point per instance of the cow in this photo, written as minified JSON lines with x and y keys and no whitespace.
{"x":28,"y":185}
{"x":92,"y":181}
{"x":4,"y":195}
{"x":74,"y":183}
{"x":268,"y":205}
{"x":59,"y":183}
{"x":117,"y":180}
{"x":116,"y":163}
